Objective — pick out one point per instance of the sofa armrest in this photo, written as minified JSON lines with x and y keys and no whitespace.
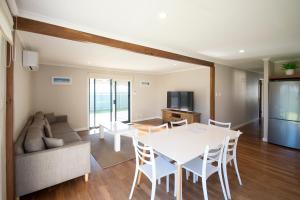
{"x":61,"y":118}
{"x":39,"y":170}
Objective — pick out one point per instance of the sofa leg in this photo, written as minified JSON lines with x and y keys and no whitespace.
{"x":86,"y":177}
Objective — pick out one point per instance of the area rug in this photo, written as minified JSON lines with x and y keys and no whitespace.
{"x":103,"y":150}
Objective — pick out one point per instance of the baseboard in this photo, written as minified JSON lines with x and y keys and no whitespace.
{"x":147,"y":118}
{"x":81,"y":129}
{"x":243,"y":124}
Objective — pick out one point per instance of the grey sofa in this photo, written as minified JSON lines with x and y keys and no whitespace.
{"x":38,"y":167}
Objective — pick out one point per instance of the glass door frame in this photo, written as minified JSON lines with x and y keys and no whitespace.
{"x":115,"y":103}
{"x":113,"y":107}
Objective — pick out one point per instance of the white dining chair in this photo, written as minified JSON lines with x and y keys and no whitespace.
{"x":219,"y":124}
{"x":229,"y":155}
{"x":153,"y":129}
{"x":204,"y":168}
{"x":153,"y":168}
{"x":179,"y":123}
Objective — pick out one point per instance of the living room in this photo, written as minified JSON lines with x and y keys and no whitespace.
{"x":74,"y":85}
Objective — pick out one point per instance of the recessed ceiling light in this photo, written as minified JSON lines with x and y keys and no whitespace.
{"x":162,"y":15}
{"x":174,"y":64}
{"x":242,"y":51}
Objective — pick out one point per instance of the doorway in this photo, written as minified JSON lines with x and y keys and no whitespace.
{"x":260,"y":100}
{"x":109,"y":100}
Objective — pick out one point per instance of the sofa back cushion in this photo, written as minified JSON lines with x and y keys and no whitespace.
{"x":39,"y":115}
{"x":34,"y":139}
{"x":48,"y":131}
{"x":50,"y":117}
{"x":19,"y":144}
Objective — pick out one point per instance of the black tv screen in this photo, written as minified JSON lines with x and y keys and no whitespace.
{"x":181,"y":100}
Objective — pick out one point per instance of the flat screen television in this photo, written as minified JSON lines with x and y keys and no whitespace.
{"x":180,"y":100}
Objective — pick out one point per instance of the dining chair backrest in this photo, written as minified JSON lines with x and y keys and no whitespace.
{"x":144,"y":154}
{"x":230,"y":146}
{"x":213,"y":155}
{"x":158,"y":128}
{"x":179,"y":123}
{"x":219,"y":124}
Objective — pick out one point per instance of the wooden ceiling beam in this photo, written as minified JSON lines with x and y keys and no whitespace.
{"x":29,"y":25}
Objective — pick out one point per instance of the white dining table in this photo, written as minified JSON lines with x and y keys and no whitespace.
{"x":184,"y":143}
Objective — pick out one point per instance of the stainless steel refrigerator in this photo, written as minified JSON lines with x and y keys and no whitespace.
{"x":284,"y":113}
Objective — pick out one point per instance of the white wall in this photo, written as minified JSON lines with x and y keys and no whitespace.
{"x":73,"y":99}
{"x":236,"y":95}
{"x":197,"y":81}
{"x":2,"y":119}
{"x":22,"y":91}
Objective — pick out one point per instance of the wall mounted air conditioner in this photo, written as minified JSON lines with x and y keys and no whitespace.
{"x":30,"y":60}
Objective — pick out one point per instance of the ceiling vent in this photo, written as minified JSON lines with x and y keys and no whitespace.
{"x":30,"y":60}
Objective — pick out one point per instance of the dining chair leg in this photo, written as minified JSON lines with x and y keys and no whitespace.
{"x":204,"y":187}
{"x":187,"y":174}
{"x":175,"y":184}
{"x":133,"y":184}
{"x":167,"y":183}
{"x":194,"y":178}
{"x":153,"y":189}
{"x":222,"y":183}
{"x":237,"y":171}
{"x":226,"y":180}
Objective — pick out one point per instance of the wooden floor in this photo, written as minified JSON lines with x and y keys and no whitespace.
{"x":267,"y":171}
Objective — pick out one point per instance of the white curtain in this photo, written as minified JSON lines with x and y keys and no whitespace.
{"x":6,"y":22}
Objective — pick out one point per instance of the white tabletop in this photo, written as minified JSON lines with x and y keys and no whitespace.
{"x":183,"y":144}
{"x":117,"y":127}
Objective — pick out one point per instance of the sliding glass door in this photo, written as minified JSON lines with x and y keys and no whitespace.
{"x":108,"y":101}
{"x":122,"y":104}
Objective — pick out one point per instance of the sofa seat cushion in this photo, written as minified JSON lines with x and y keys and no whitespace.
{"x":60,"y":128}
{"x":69,"y":137}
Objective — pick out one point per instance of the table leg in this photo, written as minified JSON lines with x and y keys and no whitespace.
{"x":117,"y":142}
{"x":101,"y":132}
{"x":179,"y":182}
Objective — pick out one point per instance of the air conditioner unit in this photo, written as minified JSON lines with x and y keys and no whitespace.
{"x":30,"y":60}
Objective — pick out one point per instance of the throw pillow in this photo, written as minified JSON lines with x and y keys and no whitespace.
{"x":53,"y":142}
{"x":47,"y":128}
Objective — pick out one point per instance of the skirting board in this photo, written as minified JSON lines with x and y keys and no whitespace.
{"x":243,"y":124}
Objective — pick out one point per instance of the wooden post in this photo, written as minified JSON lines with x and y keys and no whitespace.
{"x":10,"y":193}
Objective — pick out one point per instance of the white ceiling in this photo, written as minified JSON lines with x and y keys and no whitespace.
{"x":210,"y":29}
{"x":62,"y":52}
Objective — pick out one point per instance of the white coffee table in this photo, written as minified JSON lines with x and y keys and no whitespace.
{"x":116,"y":129}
